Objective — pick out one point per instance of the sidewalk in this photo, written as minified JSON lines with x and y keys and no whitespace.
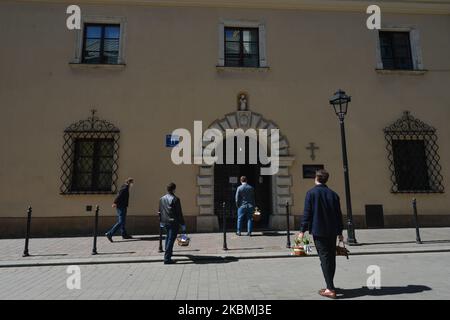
{"x":207,"y":246}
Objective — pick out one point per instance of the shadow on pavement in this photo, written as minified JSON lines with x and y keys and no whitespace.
{"x":108,"y":253}
{"x":49,"y":255}
{"x":403,"y":242}
{"x":150,"y":238}
{"x":196,"y":259}
{"x":273,"y":234}
{"x":380,"y":243}
{"x":383,"y":291}
{"x":238,"y":249}
{"x":436,"y":241}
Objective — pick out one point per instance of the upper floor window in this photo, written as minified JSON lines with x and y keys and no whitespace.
{"x":101,"y":43}
{"x":241,"y":47}
{"x":396,"y":50}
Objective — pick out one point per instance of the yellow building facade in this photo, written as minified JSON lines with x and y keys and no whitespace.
{"x":150,"y":67}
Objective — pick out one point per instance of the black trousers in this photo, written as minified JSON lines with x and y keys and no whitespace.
{"x":326,"y":249}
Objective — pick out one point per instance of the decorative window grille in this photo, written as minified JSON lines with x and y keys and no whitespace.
{"x":90,"y":157}
{"x":413,"y":156}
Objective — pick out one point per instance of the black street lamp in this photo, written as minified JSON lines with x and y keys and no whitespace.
{"x":340,"y":104}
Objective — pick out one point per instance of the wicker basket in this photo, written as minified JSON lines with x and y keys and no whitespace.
{"x":299,"y":251}
{"x":256,"y":215}
{"x":183,"y":242}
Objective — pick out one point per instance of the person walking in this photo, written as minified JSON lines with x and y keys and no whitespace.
{"x":121,"y":205}
{"x":245,"y":202}
{"x":171,"y":218}
{"x":322,"y":217}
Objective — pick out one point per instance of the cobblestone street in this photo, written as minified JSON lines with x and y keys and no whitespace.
{"x":254,"y":268}
{"x":403,"y":276}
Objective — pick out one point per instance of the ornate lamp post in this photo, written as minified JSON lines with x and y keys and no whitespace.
{"x":340,"y":104}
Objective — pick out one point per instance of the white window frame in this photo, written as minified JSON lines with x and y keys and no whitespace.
{"x":414,"y":38}
{"x":243,"y":24}
{"x":78,"y":54}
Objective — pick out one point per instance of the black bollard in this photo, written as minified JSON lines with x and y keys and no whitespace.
{"x":224,"y":225}
{"x":94,"y":249}
{"x":160,"y":249}
{"x":416,"y":221}
{"x":288,"y":243}
{"x":27,"y":237}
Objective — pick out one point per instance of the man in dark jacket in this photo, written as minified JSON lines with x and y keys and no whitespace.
{"x":121,"y":205}
{"x":171,"y":217}
{"x":322,"y":217}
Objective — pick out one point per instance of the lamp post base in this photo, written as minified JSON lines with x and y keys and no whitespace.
{"x":351,"y":239}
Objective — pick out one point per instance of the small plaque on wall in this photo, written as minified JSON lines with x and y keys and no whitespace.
{"x":309,"y":170}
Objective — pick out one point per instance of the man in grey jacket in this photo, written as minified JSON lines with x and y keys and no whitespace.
{"x":171,"y":217}
{"x":245,"y":202}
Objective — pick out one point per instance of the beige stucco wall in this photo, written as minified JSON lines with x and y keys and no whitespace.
{"x":170,"y":80}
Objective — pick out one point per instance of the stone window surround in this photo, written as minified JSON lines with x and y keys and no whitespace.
{"x":416,"y":52}
{"x":282,"y":182}
{"x":77,"y":59}
{"x":242,"y":24}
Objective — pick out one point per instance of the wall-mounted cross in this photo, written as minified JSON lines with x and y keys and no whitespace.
{"x":312,"y":147}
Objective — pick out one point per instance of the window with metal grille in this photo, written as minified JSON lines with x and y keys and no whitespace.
{"x":413,"y":156}
{"x":395,"y":49}
{"x":241,"y":47}
{"x":93,"y":165}
{"x":101,"y":43}
{"x":411,"y":170}
{"x":90,"y":157}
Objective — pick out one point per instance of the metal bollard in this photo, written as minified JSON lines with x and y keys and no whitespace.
{"x":94,"y":248}
{"x":224,"y":225}
{"x":416,"y":221}
{"x":27,"y":237}
{"x":160,"y":249}
{"x":288,"y":243}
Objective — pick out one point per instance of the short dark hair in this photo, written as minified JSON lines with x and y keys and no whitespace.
{"x":322,"y":175}
{"x":243,"y":179}
{"x":129,"y":180}
{"x":171,"y":187}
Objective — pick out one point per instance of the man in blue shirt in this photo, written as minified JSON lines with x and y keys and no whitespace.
{"x":245,"y":202}
{"x":322,"y":217}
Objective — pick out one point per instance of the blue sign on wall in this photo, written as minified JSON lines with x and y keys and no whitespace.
{"x":172,"y":141}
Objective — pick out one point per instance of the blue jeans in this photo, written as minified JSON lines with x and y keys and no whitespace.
{"x":121,"y":221}
{"x":171,"y":236}
{"x":245,"y":213}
